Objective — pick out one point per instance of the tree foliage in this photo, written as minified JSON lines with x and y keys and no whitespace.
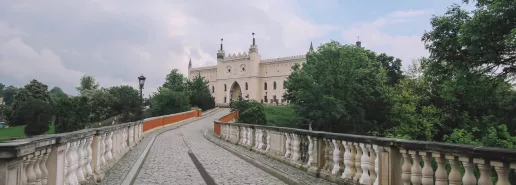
{"x":126,"y":102}
{"x":167,"y":101}
{"x":251,"y":112}
{"x":35,"y":114}
{"x":175,"y":81}
{"x":57,"y":93}
{"x":35,"y":90}
{"x":200,"y":95}
{"x":87,"y":83}
{"x":337,"y":88}
{"x":8,"y":94}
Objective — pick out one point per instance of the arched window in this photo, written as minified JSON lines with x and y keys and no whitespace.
{"x":212,"y":89}
{"x":265,"y":86}
{"x":246,"y":86}
{"x":225,"y":88}
{"x":274,"y":85}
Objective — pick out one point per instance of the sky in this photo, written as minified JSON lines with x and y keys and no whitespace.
{"x":115,"y":41}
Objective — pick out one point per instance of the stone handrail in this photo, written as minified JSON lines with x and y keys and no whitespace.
{"x":80,"y":157}
{"x":373,"y":160}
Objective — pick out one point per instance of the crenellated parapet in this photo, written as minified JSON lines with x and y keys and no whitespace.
{"x":236,"y":56}
{"x":288,"y":58}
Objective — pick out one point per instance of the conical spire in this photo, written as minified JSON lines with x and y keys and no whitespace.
{"x":311,"y":47}
{"x":222,"y":39}
{"x":254,"y":43}
{"x":190,"y":64}
{"x":359,"y":44}
{"x":220,"y":53}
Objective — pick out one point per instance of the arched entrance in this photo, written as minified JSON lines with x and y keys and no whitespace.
{"x":235,"y":92}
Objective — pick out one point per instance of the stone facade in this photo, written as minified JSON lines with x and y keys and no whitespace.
{"x":247,"y":75}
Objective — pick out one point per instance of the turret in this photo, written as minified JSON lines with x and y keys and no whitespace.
{"x":190,"y":64}
{"x":359,"y":44}
{"x":254,"y":47}
{"x":221,"y":53}
{"x":311,"y":47}
{"x":254,"y":58}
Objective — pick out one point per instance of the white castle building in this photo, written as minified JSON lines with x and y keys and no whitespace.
{"x":248,"y":76}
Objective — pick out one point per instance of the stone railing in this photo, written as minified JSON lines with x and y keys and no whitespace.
{"x":373,"y":160}
{"x":80,"y":157}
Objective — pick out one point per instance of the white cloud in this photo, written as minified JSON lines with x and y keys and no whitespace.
{"x":405,"y":47}
{"x":57,"y":41}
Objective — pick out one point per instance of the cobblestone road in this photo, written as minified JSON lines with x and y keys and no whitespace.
{"x":168,"y":162}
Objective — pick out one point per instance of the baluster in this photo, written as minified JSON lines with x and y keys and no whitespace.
{"x":107,"y":153}
{"x":374,"y":166}
{"x":502,"y":170}
{"x":249,"y":137}
{"x":337,"y":158}
{"x":441,"y":175}
{"x":349,"y":160}
{"x":102,"y":147}
{"x":37,"y":168}
{"x":80,"y":157}
{"x":302,"y":149}
{"x":31,"y":175}
{"x":454,"y":178}
{"x":405,"y":168}
{"x":415,"y":171}
{"x":25,"y":169}
{"x":485,"y":172}
{"x":310,"y":151}
{"x":115,"y":140}
{"x":43,"y":166}
{"x":256,"y":140}
{"x":469,"y":177}
{"x":328,"y":153}
{"x":296,"y":147}
{"x":260,"y":139}
{"x":427,"y":172}
{"x":364,"y":179}
{"x":85,"y":158}
{"x":268,"y":141}
{"x":287,"y":145}
{"x":358,"y":162}
{"x":69,"y":164}
{"x":110,"y":153}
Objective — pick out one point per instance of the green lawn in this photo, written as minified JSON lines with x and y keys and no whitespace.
{"x":17,"y":132}
{"x":281,"y":116}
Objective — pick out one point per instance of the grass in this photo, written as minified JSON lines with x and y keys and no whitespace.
{"x":280,"y":116}
{"x":18,"y":132}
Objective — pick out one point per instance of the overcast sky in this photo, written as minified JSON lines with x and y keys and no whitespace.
{"x":58,"y":41}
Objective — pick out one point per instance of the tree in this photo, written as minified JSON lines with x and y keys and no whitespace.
{"x":35,"y":113}
{"x":100,"y":103}
{"x":34,"y":90}
{"x":57,"y":93}
{"x":175,"y":81}
{"x":126,"y":101}
{"x":483,"y":40}
{"x":71,"y":114}
{"x":166,"y":101}
{"x":339,"y":86}
{"x":2,"y":86}
{"x":200,"y":94}
{"x":391,"y":65}
{"x":8,"y":94}
{"x":250,"y":112}
{"x":88,"y":83}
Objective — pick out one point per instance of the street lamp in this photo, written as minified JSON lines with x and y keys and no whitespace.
{"x":141,"y":81}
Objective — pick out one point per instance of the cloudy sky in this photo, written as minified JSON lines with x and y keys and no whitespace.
{"x":58,"y":41}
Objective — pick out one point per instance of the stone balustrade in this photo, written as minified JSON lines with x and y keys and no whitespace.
{"x":73,"y":158}
{"x":373,"y":160}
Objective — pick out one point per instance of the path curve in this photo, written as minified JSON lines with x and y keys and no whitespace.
{"x":169,"y":163}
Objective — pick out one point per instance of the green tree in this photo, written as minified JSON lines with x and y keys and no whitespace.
{"x":251,"y":112}
{"x":339,"y":89}
{"x":175,"y":81}
{"x":2,"y":86}
{"x":200,"y":94}
{"x":166,"y":101}
{"x":482,"y":40}
{"x":8,"y":94}
{"x":126,"y":101}
{"x":100,"y":104}
{"x":71,"y":114}
{"x":34,"y":90}
{"x":88,"y":83}
{"x":57,"y":93}
{"x":35,"y":113}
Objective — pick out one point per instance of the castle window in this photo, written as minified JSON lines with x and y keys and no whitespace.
{"x":224,"y":99}
{"x":243,"y":69}
{"x":212,"y":89}
{"x":274,"y":85}
{"x":225,"y":88}
{"x":265,"y":98}
{"x":265,"y":87}
{"x":229,"y":70}
{"x":246,"y":87}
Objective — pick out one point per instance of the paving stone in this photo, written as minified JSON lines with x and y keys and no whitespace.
{"x":119,"y":171}
{"x":168,"y":161}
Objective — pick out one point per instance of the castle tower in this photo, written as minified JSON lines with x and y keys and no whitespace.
{"x":311,"y":47}
{"x":190,"y":64}
{"x":221,"y":53}
{"x":359,"y":44}
{"x":254,"y":58}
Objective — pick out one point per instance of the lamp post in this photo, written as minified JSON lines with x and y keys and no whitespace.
{"x":141,"y":81}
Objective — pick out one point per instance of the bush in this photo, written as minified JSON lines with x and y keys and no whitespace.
{"x":34,"y":113}
{"x":166,"y":101}
{"x":251,"y":112}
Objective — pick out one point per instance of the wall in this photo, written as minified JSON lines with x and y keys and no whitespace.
{"x":150,"y":124}
{"x":231,"y":117}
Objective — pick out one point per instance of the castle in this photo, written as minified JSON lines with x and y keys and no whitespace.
{"x":247,"y":76}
